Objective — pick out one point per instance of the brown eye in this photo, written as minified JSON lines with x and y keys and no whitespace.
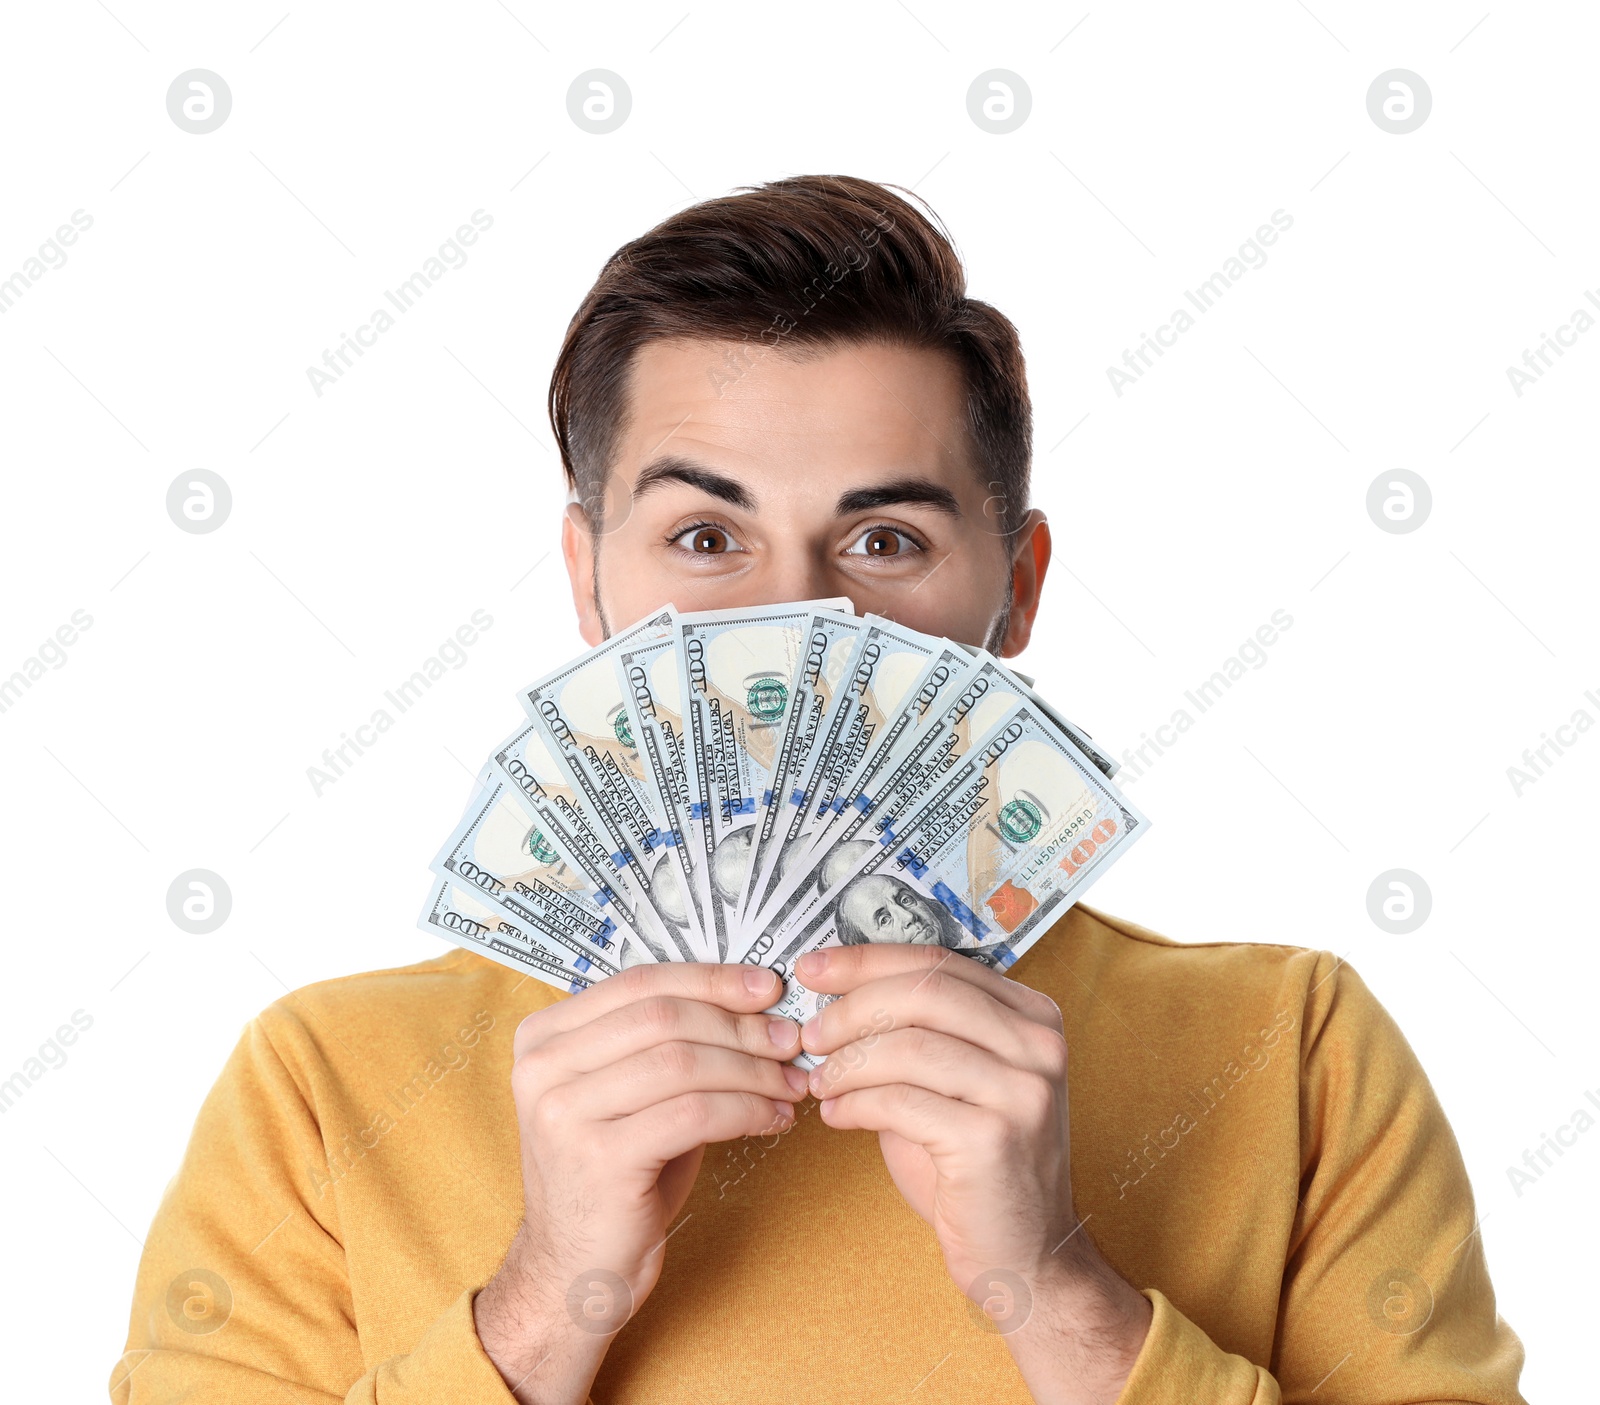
{"x":706,"y":539}
{"x":880,"y":541}
{"x":711,"y":540}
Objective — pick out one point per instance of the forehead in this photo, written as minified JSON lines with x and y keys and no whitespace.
{"x":873,"y":888}
{"x":849,"y":410}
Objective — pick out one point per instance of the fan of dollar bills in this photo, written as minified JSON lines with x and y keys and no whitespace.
{"x":745,"y":785}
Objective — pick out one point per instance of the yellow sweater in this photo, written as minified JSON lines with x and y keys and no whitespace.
{"x":1254,"y":1146}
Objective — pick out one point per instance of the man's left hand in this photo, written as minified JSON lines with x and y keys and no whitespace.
{"x":963,"y":1075}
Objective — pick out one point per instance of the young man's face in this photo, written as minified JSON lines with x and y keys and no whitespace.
{"x":847,"y":474}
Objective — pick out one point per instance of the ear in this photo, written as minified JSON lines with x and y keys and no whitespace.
{"x":1029,"y":563}
{"x":577,"y":550}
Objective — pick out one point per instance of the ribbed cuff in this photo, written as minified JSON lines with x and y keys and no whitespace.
{"x":1180,"y":1365}
{"x":447,"y":1363}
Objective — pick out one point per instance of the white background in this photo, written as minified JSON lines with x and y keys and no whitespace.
{"x":370,"y":522}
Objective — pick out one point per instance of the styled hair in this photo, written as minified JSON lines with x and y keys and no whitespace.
{"x":795,"y":266}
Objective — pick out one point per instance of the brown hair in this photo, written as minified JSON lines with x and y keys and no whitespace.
{"x":794,"y":265}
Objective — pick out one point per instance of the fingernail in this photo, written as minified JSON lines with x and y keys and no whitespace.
{"x":783,"y":1032}
{"x":796,"y":1079}
{"x":758,"y":980}
{"x":818,"y":1080}
{"x":785,"y":1111}
{"x":814,"y":963}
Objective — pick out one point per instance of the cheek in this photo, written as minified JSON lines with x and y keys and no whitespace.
{"x":959,"y":599}
{"x":633,"y":581}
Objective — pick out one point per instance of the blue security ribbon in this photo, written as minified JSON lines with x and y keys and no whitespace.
{"x":962,"y":913}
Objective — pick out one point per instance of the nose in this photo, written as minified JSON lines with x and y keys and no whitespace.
{"x":797,"y":571}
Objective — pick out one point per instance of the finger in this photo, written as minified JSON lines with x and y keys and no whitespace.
{"x":733,"y":987}
{"x":833,"y":970}
{"x":658,"y":1019}
{"x":693,"y":1120}
{"x":668,"y":1070}
{"x":938,"y":999}
{"x":941,"y":1064}
{"x":941,"y":1126}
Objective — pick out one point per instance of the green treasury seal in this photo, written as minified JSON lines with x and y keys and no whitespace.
{"x":540,"y":847}
{"x":766,"y":699}
{"x":1020,"y":820}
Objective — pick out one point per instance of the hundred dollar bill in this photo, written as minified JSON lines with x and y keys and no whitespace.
{"x":455,"y":914}
{"x":815,"y":692}
{"x":1011,"y":839}
{"x":580,"y":715}
{"x":568,"y":926}
{"x":647,"y":673}
{"x":734,"y":671}
{"x":887,"y":661}
{"x":516,"y":835}
{"x":964,"y":711}
{"x":968,"y":712}
{"x":966,"y":705}
{"x":893,"y":710}
{"x":1085,"y":742}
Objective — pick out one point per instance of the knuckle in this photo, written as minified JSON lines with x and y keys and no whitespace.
{"x":761,"y":1112}
{"x":527,"y":1027}
{"x":692,"y":1110}
{"x":661,"y":1016}
{"x":527,"y":1077}
{"x":924,"y":1048}
{"x":1036,"y":1100}
{"x":678,"y":1059}
{"x":552,"y":1111}
{"x":637,"y":981}
{"x":1050,"y":1047}
{"x":749,"y":1032}
{"x":1049,"y":1010}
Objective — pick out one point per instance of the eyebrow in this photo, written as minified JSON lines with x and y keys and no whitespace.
{"x":921,"y":492}
{"x":673,"y":468}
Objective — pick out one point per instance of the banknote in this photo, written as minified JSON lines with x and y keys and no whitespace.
{"x":816,"y":692}
{"x":562,"y":801}
{"x":900,"y":716}
{"x":514,"y":836}
{"x":747,"y":785}
{"x":567,"y":926}
{"x":1085,"y":742}
{"x":647,"y":674}
{"x":734,"y":670}
{"x":456,"y":915}
{"x":985,"y":865}
{"x":967,"y":707}
{"x":887,"y":662}
{"x":581,"y":717}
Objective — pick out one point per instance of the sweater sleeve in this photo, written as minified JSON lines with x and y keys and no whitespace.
{"x":1386,"y":1295}
{"x":242,"y":1294}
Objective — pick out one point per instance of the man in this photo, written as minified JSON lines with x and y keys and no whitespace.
{"x":878,"y":907}
{"x":1166,"y":1173}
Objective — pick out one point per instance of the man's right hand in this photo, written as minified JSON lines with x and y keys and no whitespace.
{"x":618,"y":1090}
